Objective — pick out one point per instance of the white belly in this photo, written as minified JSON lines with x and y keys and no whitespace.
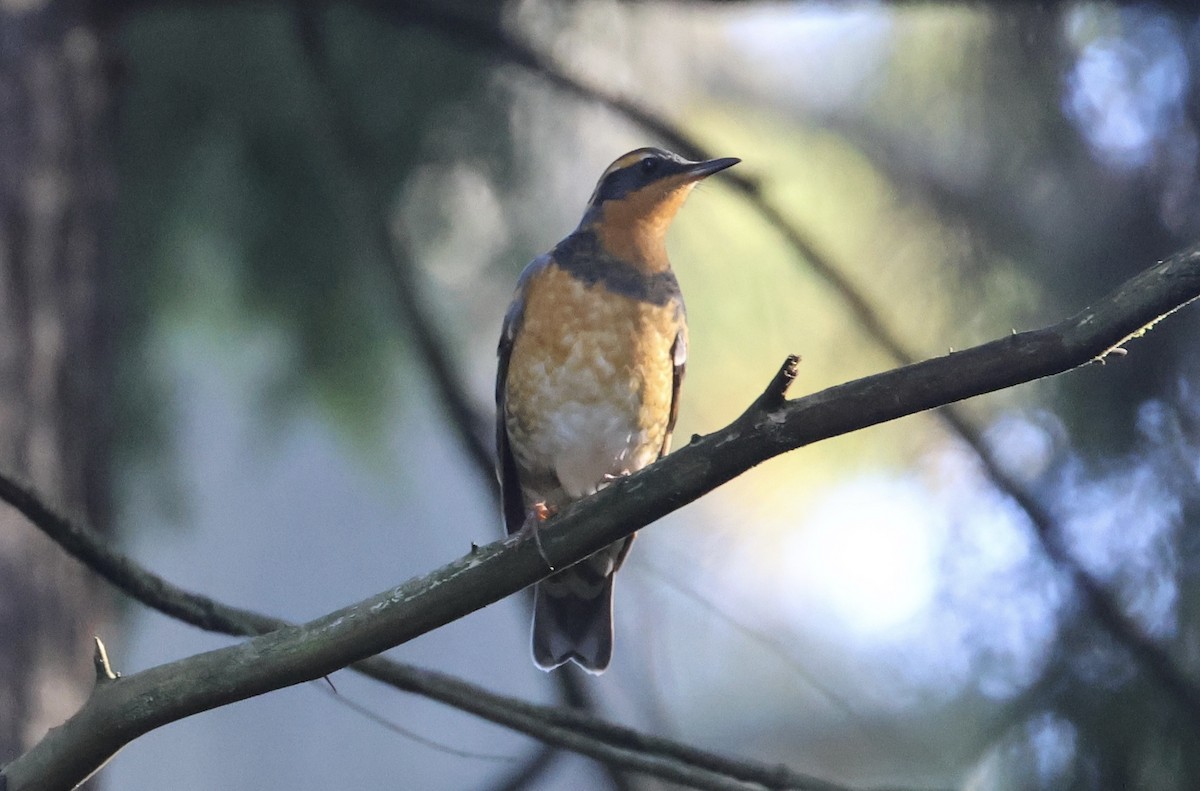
{"x":584,"y":444}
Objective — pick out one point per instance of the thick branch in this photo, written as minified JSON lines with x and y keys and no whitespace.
{"x":122,"y":710}
{"x":1155,"y":662}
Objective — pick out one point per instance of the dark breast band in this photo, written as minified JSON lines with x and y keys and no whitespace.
{"x":580,"y":254}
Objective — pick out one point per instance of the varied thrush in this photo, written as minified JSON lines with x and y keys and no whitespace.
{"x":591,"y":358}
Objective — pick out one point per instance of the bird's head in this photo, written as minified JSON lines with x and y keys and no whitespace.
{"x":638,"y":196}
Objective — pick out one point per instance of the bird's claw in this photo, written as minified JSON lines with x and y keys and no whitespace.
{"x":610,"y":478}
{"x":531,"y":528}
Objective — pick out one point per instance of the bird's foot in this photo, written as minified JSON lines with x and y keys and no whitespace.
{"x":611,"y":477}
{"x":532,"y":528}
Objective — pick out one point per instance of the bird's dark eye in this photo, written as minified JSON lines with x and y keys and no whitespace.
{"x":649,"y":165}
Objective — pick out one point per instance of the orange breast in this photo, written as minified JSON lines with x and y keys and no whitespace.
{"x":590,"y":382}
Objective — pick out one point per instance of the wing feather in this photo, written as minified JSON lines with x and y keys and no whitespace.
{"x":679,"y":358}
{"x":511,"y":497}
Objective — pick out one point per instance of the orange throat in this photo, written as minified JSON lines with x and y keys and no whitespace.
{"x":634,"y":229}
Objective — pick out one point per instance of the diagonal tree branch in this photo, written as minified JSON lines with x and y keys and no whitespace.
{"x":329,"y":122}
{"x":123,"y":709}
{"x":1099,"y":601}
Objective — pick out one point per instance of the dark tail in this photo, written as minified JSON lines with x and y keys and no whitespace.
{"x":572,"y":619}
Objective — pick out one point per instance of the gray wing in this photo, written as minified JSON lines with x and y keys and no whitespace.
{"x":679,"y":356}
{"x":506,"y":466}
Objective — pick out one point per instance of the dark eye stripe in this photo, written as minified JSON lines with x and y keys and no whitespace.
{"x":617,"y":185}
{"x":631,"y":172}
{"x":620,"y":182}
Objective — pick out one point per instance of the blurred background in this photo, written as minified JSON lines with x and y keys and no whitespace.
{"x":236,"y":236}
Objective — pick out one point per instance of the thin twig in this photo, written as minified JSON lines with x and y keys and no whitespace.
{"x":365,"y":224}
{"x":395,"y":727}
{"x":530,"y":771}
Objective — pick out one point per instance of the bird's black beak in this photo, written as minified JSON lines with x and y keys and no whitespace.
{"x":698,"y":170}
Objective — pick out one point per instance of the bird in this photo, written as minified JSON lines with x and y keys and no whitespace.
{"x":591,"y":357}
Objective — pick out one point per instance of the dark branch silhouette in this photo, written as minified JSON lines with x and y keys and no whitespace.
{"x":121,"y":710}
{"x":530,"y":771}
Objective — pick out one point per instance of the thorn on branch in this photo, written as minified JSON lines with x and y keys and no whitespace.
{"x":1102,"y":358}
{"x":775,"y":396}
{"x":104,"y":671}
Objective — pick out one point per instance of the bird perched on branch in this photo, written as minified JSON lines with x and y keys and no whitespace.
{"x":591,"y":358}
